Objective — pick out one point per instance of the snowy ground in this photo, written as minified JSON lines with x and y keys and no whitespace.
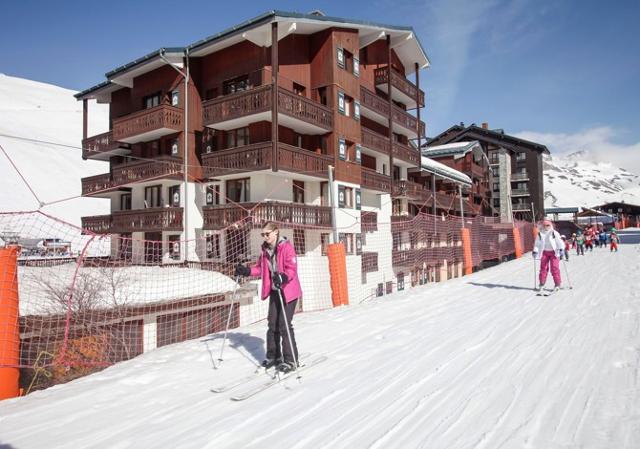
{"x":477,"y":362}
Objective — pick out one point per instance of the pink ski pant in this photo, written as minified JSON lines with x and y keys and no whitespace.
{"x":549,"y":258}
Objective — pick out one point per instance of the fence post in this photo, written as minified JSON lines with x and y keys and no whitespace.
{"x":517,"y":242}
{"x":338,"y":274}
{"x":9,"y":326}
{"x":466,"y":250}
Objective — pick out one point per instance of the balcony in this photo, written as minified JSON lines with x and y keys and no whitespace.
{"x":376,"y":108}
{"x":375,"y":142}
{"x":148,"y":124}
{"x":519,"y":177}
{"x":520,"y":192}
{"x":412,"y":191}
{"x":406,"y":153}
{"x":256,"y":157}
{"x":369,"y":262}
{"x":103,"y":146}
{"x":402,"y":89}
{"x":372,"y":180}
{"x":521,"y":207}
{"x":368,"y":221}
{"x":137,"y":171}
{"x":220,"y":217}
{"x":473,"y":170}
{"x":242,"y":108}
{"x":138,"y":220}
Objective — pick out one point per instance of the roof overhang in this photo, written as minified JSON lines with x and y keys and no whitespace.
{"x":258,"y":31}
{"x":436,"y":168}
{"x":101,"y":92}
{"x":124,"y":75}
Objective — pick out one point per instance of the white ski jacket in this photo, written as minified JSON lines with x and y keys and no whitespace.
{"x":552,"y":238}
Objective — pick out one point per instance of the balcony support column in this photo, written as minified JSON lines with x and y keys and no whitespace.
{"x":433,"y":194}
{"x":274,"y":92}
{"x":390,"y":108}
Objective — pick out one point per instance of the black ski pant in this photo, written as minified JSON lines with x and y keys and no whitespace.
{"x":278,"y":345}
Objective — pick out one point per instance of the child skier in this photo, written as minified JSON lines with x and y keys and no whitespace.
{"x":567,"y":247}
{"x":278,"y":267}
{"x":614,"y":241}
{"x":550,"y":246}
{"x":579,"y":244}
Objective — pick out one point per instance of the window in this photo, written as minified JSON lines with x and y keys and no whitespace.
{"x":340,"y":57}
{"x":521,"y":156}
{"x":238,"y":84}
{"x":299,"y":242}
{"x":380,"y":289}
{"x":238,"y":190}
{"x":298,"y":192}
{"x":238,"y":138}
{"x":151,"y":101}
{"x":347,"y":240}
{"x":396,"y":173}
{"x":153,"y":196}
{"x":174,"y":196}
{"x":213,"y":246}
{"x":174,"y":247}
{"x":324,"y":242}
{"x":345,"y":197}
{"x":400,"y":281}
{"x":496,"y":186}
{"x":341,"y":103}
{"x":396,"y":207}
{"x":125,"y":201}
{"x":213,"y":195}
{"x":496,"y":203}
{"x":298,"y":89}
{"x":324,"y":193}
{"x":322,"y":95}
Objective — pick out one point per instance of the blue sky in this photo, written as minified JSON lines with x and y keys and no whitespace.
{"x":546,"y":68}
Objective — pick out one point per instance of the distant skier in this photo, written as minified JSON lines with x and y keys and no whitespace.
{"x":603,"y":239}
{"x":567,"y":247}
{"x":588,"y":241}
{"x":550,"y":246}
{"x":614,"y":241}
{"x":278,"y":267}
{"x":580,"y":244}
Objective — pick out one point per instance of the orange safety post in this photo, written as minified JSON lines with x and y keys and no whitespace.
{"x":517,"y":243}
{"x":466,"y":250}
{"x":9,"y":328}
{"x":338,"y":274}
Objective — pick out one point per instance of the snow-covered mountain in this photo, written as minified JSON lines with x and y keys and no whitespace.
{"x":575,"y":180}
{"x":43,"y":112}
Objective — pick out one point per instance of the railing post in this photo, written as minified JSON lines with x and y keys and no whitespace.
{"x":274,"y":98}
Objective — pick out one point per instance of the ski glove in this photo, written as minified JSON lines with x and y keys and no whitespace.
{"x":242,"y":270}
{"x":279,"y":279}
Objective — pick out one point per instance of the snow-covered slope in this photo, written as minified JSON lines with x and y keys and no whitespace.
{"x":477,"y":362}
{"x":574,"y":180}
{"x":40,"y":111}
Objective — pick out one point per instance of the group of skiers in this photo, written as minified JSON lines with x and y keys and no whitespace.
{"x":551,"y":246}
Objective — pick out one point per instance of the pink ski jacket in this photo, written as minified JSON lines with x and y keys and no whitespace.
{"x":287,"y":263}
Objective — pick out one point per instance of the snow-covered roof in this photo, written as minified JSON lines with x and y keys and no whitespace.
{"x":456,"y":149}
{"x":444,"y":171}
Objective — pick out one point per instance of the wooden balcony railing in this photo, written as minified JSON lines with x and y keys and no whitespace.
{"x":96,"y":184}
{"x":521,"y":207}
{"x":406,"y":153}
{"x":98,"y":224}
{"x":378,"y":104}
{"x":520,"y":192}
{"x":137,"y":171}
{"x":471,"y":168}
{"x":375,"y":141}
{"x":147,"y":220}
{"x":161,"y":167}
{"x":257,"y":157}
{"x":411,"y":190}
{"x":137,"y":220}
{"x":373,"y":180}
{"x":369,"y":221}
{"x":102,"y":143}
{"x":258,"y":100}
{"x":520,"y":176}
{"x":218,"y":217}
{"x":369,"y":262}
{"x":163,"y":117}
{"x":399,"y":82}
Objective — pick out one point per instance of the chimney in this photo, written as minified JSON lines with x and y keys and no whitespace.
{"x":485,"y":125}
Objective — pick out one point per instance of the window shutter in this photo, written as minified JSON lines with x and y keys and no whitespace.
{"x":175,"y":98}
{"x":174,"y":148}
{"x":341,"y":196}
{"x":358,"y":199}
{"x":358,"y":244}
{"x":356,"y":67}
{"x":342,"y":149}
{"x":358,"y":153}
{"x":356,"y":110}
{"x":340,"y":58}
{"x":341,"y":108}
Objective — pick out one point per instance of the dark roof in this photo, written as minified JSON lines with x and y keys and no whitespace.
{"x":145,"y":58}
{"x":92,"y":89}
{"x":561,"y":210}
{"x":618,"y":204}
{"x":459,"y":132}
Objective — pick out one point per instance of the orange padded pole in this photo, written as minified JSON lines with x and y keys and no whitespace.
{"x":9,"y":328}
{"x":466,"y":250}
{"x":517,"y":243}
{"x":338,"y":274}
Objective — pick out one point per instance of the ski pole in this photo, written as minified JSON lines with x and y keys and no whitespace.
{"x":535,"y":277}
{"x":566,"y":271}
{"x":233,"y":298}
{"x":286,"y":322}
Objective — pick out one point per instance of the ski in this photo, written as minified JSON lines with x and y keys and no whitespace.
{"x":252,"y":391}
{"x":243,"y":380}
{"x":550,"y":292}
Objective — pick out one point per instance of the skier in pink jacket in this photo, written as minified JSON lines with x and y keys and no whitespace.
{"x":550,"y":246}
{"x":277,"y":265}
